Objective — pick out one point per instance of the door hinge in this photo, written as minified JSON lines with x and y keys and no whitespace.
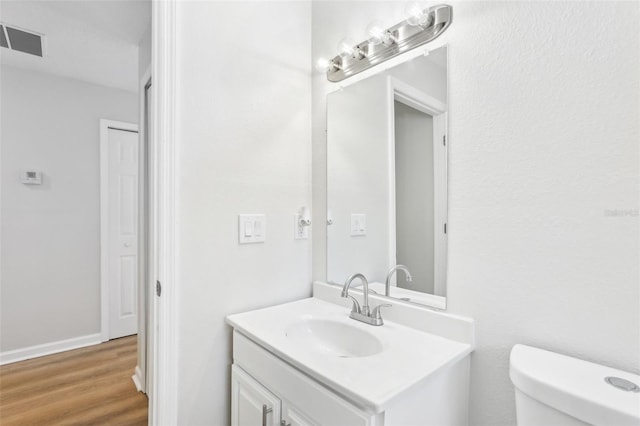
{"x":158,"y":288}
{"x":445,"y":228}
{"x":444,"y":140}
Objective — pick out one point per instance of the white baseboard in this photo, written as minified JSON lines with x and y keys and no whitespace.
{"x":137,"y":379}
{"x":49,"y":348}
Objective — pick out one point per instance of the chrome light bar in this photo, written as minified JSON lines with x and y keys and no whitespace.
{"x":398,"y":39}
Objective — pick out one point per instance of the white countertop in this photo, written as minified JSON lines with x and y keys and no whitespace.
{"x":410,"y":355}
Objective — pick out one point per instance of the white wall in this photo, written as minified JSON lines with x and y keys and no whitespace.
{"x":51,"y":233}
{"x":244,"y":117}
{"x":544,"y":134}
{"x":425,"y":73}
{"x":144,"y":53}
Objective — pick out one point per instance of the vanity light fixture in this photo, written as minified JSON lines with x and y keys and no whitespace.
{"x":380,"y":35}
{"x":417,"y":14}
{"x":350,"y":49}
{"x":326,"y":65}
{"x":422,"y":26}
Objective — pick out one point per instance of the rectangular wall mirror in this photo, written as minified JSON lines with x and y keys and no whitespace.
{"x":387,"y":180}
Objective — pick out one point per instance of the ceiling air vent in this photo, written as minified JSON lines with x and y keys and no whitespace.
{"x":20,"y":40}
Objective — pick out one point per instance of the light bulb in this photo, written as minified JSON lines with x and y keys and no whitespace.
{"x":349,"y":47}
{"x":323,"y":64}
{"x":379,"y":35}
{"x":346,"y":46}
{"x":376,"y":31}
{"x":415,"y":13}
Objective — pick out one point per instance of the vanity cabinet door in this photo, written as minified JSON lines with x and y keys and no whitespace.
{"x":309,"y":402}
{"x":292,"y":417}
{"x":251,"y":403}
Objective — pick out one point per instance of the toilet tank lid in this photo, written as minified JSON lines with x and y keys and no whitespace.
{"x":574,"y":386}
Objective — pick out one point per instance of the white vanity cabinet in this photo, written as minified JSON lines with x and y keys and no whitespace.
{"x":293,"y":417}
{"x":262,"y":382}
{"x":252,"y":403}
{"x":307,"y":363}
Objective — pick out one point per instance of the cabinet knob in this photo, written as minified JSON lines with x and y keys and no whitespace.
{"x":284,"y":423}
{"x":265,"y":411}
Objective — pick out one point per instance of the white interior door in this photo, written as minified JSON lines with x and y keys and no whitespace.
{"x":122,"y":264}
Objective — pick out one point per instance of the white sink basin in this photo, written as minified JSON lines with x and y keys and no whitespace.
{"x":334,"y":338}
{"x":370,"y":366}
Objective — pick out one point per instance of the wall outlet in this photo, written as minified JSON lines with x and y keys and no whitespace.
{"x":300,"y":232}
{"x":358,"y":224}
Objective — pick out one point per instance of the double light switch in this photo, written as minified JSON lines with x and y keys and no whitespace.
{"x":251,"y":228}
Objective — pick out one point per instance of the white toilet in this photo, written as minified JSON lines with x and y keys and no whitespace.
{"x":554,"y":390}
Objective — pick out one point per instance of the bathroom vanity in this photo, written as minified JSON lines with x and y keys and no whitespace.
{"x":324,"y":361}
{"x":308,"y":363}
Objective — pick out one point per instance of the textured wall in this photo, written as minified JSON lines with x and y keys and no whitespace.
{"x":544,"y":131}
{"x":51,"y":232}
{"x":244,"y":117}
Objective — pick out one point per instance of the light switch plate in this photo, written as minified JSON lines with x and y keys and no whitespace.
{"x":252,"y":228}
{"x":358,"y":224}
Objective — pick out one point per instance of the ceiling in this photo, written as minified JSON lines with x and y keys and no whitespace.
{"x":91,"y":40}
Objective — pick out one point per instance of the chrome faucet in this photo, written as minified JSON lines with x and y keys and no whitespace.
{"x":363,"y":313}
{"x":387,"y":283}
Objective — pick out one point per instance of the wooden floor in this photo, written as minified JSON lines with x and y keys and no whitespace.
{"x":88,"y":386}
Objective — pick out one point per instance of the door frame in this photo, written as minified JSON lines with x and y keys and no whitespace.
{"x":146,"y":221}
{"x":398,"y":90}
{"x":105,"y":125}
{"x":162,"y":359}
{"x":163,"y":368}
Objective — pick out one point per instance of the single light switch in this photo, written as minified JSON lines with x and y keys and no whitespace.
{"x":251,"y":228}
{"x":257,"y":228}
{"x":248,"y":229}
{"x":358,"y":224}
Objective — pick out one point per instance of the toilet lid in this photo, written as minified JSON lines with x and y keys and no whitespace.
{"x":576,"y":387}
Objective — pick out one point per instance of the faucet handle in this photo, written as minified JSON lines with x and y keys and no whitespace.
{"x":376,"y":310}
{"x":356,"y":305}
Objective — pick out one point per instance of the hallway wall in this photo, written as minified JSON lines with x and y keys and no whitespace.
{"x":50,"y":248}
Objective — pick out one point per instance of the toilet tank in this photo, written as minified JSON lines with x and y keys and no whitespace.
{"x":554,"y":389}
